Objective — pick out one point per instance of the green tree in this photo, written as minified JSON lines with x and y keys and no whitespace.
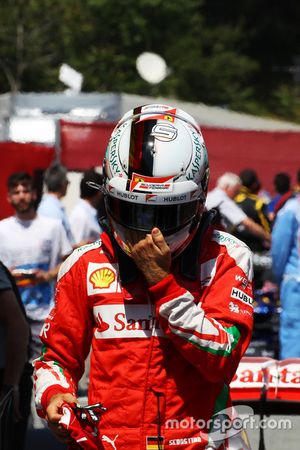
{"x":25,"y":47}
{"x":236,"y":54}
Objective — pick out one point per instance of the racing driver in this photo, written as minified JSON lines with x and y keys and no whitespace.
{"x":163,"y":299}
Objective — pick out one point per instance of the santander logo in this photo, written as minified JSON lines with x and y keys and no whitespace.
{"x":101,"y":325}
{"x":120,"y":321}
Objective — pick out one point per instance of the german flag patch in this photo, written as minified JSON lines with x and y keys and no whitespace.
{"x":155,"y":443}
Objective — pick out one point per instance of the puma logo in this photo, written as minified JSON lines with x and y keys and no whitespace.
{"x":110,"y":441}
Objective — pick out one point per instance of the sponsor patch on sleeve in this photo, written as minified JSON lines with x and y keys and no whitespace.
{"x":240,"y":295}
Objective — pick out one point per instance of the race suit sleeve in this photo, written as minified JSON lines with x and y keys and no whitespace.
{"x":282,"y":239}
{"x":66,"y":336}
{"x":212,"y":334}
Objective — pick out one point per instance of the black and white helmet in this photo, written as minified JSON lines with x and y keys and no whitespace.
{"x":155,"y":175}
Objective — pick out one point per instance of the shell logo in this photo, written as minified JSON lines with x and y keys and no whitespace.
{"x":102,"y":278}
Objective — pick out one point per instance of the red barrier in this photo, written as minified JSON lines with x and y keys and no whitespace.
{"x":17,"y":157}
{"x":281,"y":379}
{"x":266,"y":152}
{"x":83,"y":145}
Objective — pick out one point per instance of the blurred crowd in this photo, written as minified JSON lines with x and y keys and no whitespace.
{"x":40,"y":235}
{"x":34,"y":242}
{"x":270,"y":225}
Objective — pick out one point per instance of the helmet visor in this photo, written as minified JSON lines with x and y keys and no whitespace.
{"x":168,"y":218}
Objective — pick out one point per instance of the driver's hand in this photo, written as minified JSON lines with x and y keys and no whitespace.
{"x":152,"y":256}
{"x":54,"y":414}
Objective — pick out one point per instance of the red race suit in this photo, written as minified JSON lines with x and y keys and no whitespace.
{"x":162,"y":356}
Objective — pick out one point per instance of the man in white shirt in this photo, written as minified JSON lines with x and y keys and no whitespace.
{"x":32,"y":247}
{"x":56,"y":182}
{"x":84,"y":217}
{"x":221,"y":197}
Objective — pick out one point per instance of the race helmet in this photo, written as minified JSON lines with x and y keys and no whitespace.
{"x":155,"y":175}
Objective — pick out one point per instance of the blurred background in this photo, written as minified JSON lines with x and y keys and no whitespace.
{"x":240,"y":55}
{"x":69,"y":70}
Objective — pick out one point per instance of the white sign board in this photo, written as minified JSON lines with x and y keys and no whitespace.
{"x":70,"y":77}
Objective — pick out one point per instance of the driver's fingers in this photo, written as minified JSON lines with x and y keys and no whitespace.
{"x":159,"y":240}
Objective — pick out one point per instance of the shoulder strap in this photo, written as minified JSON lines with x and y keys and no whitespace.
{"x":127,"y":268}
{"x":189,"y":257}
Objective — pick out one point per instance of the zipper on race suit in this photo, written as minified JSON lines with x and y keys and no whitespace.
{"x":159,"y":439}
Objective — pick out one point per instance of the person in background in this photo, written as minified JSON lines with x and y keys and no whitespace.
{"x":285,"y":251}
{"x":231,"y":215}
{"x":32,"y":248}
{"x":163,"y":299}
{"x":15,"y":372}
{"x":51,"y":205}
{"x":282,"y":187}
{"x":255,"y":208}
{"x":84,"y":216}
{"x":297,"y":185}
